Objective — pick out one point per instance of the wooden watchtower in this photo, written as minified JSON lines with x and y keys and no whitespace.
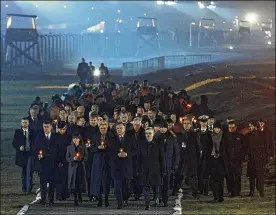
{"x":22,"y":35}
{"x":147,"y":34}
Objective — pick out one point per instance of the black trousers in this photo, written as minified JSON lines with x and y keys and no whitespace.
{"x":137,"y":188}
{"x":234,"y":183}
{"x":122,"y":190}
{"x":177,"y":182}
{"x":193,"y":182}
{"x":51,"y":191}
{"x":217,"y":186}
{"x":166,"y":187}
{"x":146,"y":192}
{"x":259,"y":181}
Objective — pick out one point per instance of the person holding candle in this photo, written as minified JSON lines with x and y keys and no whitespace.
{"x":46,"y":149}
{"x":89,"y":133}
{"x":76,"y":155}
{"x":121,"y":151}
{"x":100,"y":171}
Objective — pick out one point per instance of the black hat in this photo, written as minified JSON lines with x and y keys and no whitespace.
{"x":164,"y":124}
{"x":217,"y":124}
{"x":61,"y":124}
{"x":76,"y":135}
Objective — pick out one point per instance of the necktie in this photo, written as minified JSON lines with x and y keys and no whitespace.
{"x":27,"y":144}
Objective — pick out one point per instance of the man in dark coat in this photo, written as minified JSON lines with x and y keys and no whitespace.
{"x":257,"y":154}
{"x":121,"y":151}
{"x":35,"y":123}
{"x":46,"y":151}
{"x":104,"y":72}
{"x":100,"y":171}
{"x":189,"y":157}
{"x":235,"y":152}
{"x":63,"y":141}
{"x":89,"y":133}
{"x":268,"y":139}
{"x":23,"y":141}
{"x":82,"y":71}
{"x":172,"y":156}
{"x":139,"y":135}
{"x":151,"y":166}
{"x":206,"y":146}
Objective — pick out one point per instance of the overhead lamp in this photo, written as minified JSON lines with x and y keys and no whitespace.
{"x":251,"y":17}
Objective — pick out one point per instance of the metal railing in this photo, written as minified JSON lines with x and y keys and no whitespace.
{"x":159,"y":63}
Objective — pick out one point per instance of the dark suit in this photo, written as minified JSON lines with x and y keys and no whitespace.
{"x":63,"y":141}
{"x":151,"y":166}
{"x":189,"y":160}
{"x":172,"y":156}
{"x":121,"y":168}
{"x":89,"y":133}
{"x":82,"y":71}
{"x":48,"y":164}
{"x":36,"y":125}
{"x":25,"y":159}
{"x":100,"y":172}
{"x":138,"y":138}
{"x":206,"y":146}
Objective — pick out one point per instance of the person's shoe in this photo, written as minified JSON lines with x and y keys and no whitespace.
{"x":221,"y":199}
{"x":125,"y":204}
{"x":251,"y":193}
{"x":76,"y":203}
{"x":106,"y":204}
{"x":147,"y":207}
{"x":51,"y":202}
{"x":80,"y":199}
{"x":165,"y":204}
{"x":90,"y":198}
{"x":120,"y":206}
{"x":42,"y":202}
{"x":156,"y":203}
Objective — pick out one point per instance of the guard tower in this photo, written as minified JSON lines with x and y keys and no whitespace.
{"x":206,"y":32}
{"x":244,"y":31}
{"x":147,"y":35}
{"x":267,"y":29}
{"x":14,"y":36}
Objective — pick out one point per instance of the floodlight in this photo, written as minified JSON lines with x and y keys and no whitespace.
{"x":251,"y":17}
{"x":97,"y":72}
{"x":269,"y":42}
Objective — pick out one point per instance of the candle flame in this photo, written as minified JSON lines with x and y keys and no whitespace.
{"x":88,"y":141}
{"x":121,"y":149}
{"x":78,"y":154}
{"x":102,"y":142}
{"x":40,"y":152}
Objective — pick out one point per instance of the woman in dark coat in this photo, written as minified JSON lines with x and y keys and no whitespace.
{"x":151,"y":165}
{"x":100,"y":172}
{"x":76,"y":155}
{"x":218,"y":162}
{"x":255,"y":148}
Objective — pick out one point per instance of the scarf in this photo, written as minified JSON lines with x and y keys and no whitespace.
{"x":216,"y":142}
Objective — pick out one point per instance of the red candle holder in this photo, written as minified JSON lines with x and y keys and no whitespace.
{"x":78,"y":155}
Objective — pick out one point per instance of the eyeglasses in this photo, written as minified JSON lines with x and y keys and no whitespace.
{"x":148,"y":133}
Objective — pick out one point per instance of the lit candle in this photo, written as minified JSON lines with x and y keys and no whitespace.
{"x":78,"y":154}
{"x":88,"y":142}
{"x":189,"y":105}
{"x":102,"y":142}
{"x":40,"y":152}
{"x":121,"y":150}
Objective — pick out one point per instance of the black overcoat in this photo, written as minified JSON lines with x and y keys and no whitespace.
{"x":151,"y":163}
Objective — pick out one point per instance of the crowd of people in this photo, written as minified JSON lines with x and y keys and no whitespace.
{"x":133,"y":138}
